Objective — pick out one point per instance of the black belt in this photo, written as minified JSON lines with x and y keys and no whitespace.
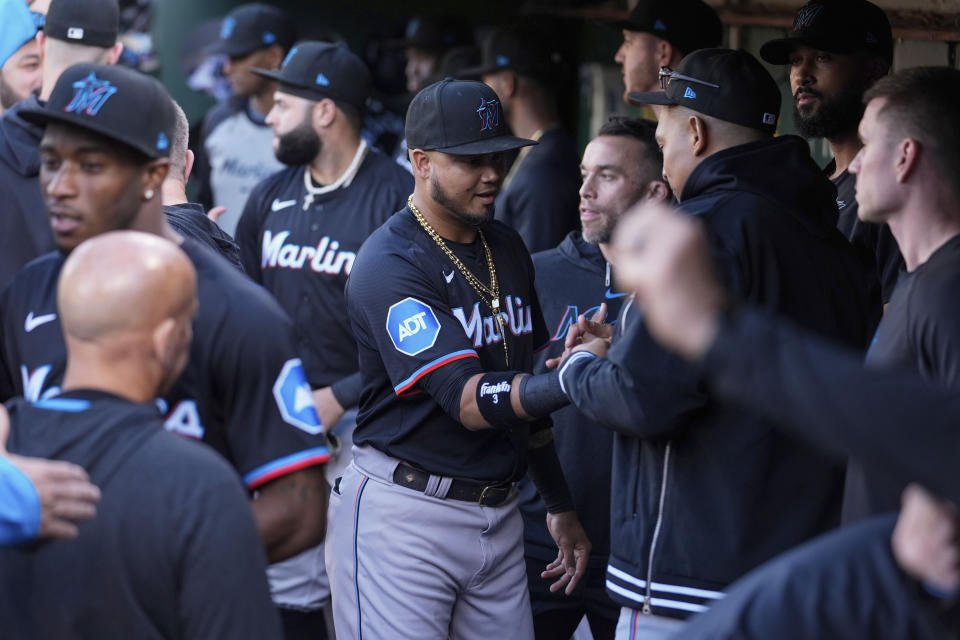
{"x":488,"y":495}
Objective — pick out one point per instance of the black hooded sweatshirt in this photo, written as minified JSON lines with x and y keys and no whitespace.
{"x":703,"y":491}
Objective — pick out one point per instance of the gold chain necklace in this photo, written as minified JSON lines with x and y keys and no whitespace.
{"x":493,"y":291}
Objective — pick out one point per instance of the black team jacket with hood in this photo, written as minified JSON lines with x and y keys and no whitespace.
{"x":703,"y":491}
{"x":24,"y":228}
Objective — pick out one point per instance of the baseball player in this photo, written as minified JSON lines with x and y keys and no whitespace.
{"x":426,"y":538}
{"x":233,"y":153}
{"x":173,"y":551}
{"x":302,"y":227}
{"x":243,"y":392}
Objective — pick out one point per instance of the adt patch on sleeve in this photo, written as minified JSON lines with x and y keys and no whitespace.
{"x":294,"y":398}
{"x":412,"y":325}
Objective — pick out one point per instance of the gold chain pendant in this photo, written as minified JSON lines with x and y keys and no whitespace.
{"x":493,"y":291}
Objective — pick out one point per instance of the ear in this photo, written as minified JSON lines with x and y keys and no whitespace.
{"x":273,"y":56}
{"x":113,"y":53}
{"x":420,"y":161}
{"x":324,"y":113}
{"x":163,"y":343}
{"x":665,"y":54}
{"x":908,"y":158}
{"x":508,"y":85}
{"x":41,"y":42}
{"x":154,"y":174}
{"x":655,"y":191}
{"x":188,"y":169}
{"x":697,"y":129}
{"x":876,"y":69}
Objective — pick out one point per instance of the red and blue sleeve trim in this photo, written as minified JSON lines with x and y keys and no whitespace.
{"x":433,"y":366}
{"x":287,"y":464}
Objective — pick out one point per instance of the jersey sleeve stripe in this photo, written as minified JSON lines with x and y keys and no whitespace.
{"x":287,"y":464}
{"x":433,"y":366}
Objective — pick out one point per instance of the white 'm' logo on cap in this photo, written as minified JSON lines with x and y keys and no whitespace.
{"x":75,"y":33}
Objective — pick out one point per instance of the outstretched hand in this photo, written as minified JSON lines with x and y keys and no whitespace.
{"x":66,"y":495}
{"x":592,"y":335}
{"x":573,"y":551}
{"x":926,"y":540}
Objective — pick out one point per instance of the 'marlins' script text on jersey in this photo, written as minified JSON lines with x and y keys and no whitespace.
{"x":243,"y":386}
{"x":421,"y":328}
{"x":300,"y":240}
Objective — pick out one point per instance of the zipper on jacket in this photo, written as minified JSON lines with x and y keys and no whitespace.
{"x":656,"y":532}
{"x":607,"y":284}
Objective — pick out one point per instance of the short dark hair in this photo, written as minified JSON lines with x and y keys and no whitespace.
{"x":642,"y":130}
{"x":922,"y":103}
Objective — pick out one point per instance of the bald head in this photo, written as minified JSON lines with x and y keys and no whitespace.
{"x":126,"y":300}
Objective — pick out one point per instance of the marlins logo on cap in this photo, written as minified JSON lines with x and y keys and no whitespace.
{"x":90,"y":94}
{"x":489,"y":113}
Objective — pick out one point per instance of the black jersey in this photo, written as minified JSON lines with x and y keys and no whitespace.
{"x":873,"y":239}
{"x":301,"y":244}
{"x":243,"y":391}
{"x":172,"y":553}
{"x":573,"y":279}
{"x":191,"y":221}
{"x":919,"y":332}
{"x":422,"y":330}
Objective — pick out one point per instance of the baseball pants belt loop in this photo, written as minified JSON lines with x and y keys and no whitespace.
{"x":485,"y":494}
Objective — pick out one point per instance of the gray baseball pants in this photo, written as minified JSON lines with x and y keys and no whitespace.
{"x":407,"y":565}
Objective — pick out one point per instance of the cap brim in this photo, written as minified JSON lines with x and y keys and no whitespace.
{"x":267,"y":73}
{"x":490,"y":145}
{"x":43,"y":117}
{"x":650,"y":97}
{"x":301,"y":91}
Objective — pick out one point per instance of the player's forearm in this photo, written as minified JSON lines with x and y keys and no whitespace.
{"x":503,"y":399}
{"x":291,"y":513}
{"x":543,"y":467}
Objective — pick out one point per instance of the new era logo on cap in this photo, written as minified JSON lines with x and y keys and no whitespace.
{"x":769,"y":118}
{"x":659,"y":26}
{"x":75,"y":33}
{"x":90,"y":94}
{"x":322,"y":80}
{"x":689,"y":93}
{"x":226,"y":29}
{"x":163,"y":143}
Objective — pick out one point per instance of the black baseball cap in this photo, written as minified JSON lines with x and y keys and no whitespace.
{"x":433,"y":34}
{"x":90,"y":22}
{"x":837,"y":26}
{"x":686,"y":24}
{"x":727,"y":84}
{"x":518,"y":50}
{"x":459,"y":117}
{"x":254,"y":26}
{"x":318,"y":70}
{"x":116,"y":102}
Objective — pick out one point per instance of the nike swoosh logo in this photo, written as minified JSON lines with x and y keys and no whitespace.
{"x":277,"y":205}
{"x":34,"y":322}
{"x":610,"y":295}
{"x":449,"y":276}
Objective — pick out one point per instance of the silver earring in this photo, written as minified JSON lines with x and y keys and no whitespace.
{"x":148,"y":194}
